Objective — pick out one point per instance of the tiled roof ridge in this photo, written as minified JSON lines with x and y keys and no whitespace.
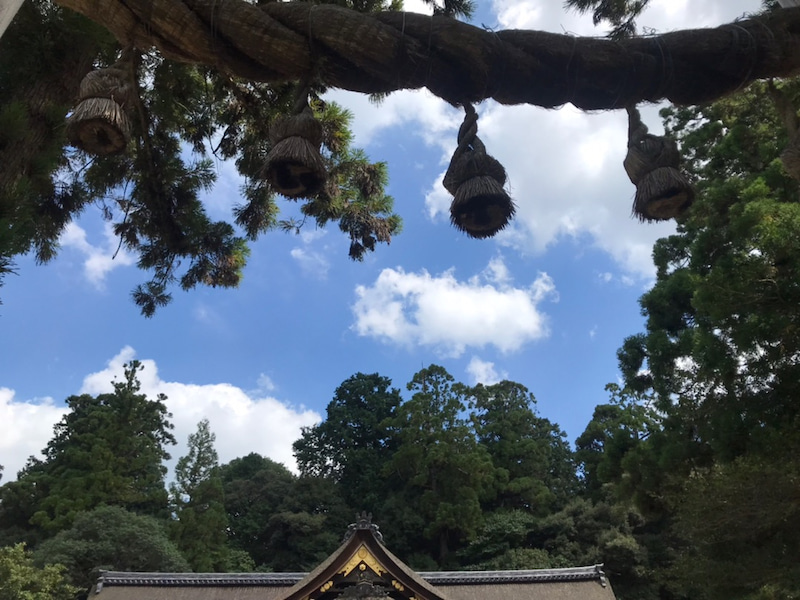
{"x":593,"y":572}
{"x":589,"y":573}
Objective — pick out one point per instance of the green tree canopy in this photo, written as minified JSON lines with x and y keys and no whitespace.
{"x":200,"y":528}
{"x":531,"y":452}
{"x":444,"y":469}
{"x":111,"y":538}
{"x":354,"y":442}
{"x":616,"y":429}
{"x":284,"y":522}
{"x":108,"y":449}
{"x":21,"y":579}
{"x":719,"y":355}
{"x":255,"y":488}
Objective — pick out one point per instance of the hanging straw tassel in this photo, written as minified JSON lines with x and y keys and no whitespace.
{"x":480,"y":207}
{"x":662,"y":191}
{"x":99,"y":124}
{"x":294,"y":165}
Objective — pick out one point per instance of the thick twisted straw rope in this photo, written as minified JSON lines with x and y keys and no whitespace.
{"x":457,"y":62}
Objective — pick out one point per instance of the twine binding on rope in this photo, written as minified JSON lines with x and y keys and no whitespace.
{"x":480,"y":206}
{"x":652,"y":164}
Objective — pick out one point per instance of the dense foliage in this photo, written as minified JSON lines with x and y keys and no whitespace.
{"x":108,"y":450}
{"x":182,"y":117}
{"x":459,"y":477}
{"x":20,"y":578}
{"x":718,"y":472}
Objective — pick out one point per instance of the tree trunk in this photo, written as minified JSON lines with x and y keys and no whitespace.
{"x":460,"y":63}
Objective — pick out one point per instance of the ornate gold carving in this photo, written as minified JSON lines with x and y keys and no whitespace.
{"x":326,"y":586}
{"x":361,"y":559}
{"x":397,"y":585}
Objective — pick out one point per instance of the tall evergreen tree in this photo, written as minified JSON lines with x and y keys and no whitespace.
{"x":445,"y":471}
{"x":532,"y":453}
{"x":108,"y":449}
{"x":354,"y":442}
{"x":309,"y":525}
{"x":720,"y":355}
{"x":616,"y":430}
{"x":254,"y":488}
{"x":200,"y":526}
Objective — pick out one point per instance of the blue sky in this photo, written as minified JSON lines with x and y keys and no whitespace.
{"x":546,"y":303}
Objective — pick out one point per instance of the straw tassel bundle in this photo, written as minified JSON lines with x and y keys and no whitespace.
{"x":99,"y":124}
{"x":662,"y":191}
{"x":480,"y":207}
{"x":294,"y":164}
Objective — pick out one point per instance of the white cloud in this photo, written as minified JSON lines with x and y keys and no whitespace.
{"x":99,"y":260}
{"x":484,"y":372}
{"x":420,"y":112}
{"x":265,"y":383}
{"x":208,"y":316}
{"x":312,"y":262}
{"x":243,"y":422}
{"x":566,"y":177}
{"x":497,"y":272}
{"x":661,"y":15}
{"x":438,"y":199}
{"x":25,"y":429}
{"x":417,"y":6}
{"x":227,"y":191}
{"x":311,"y":256}
{"x":621,"y":279}
{"x":666,"y":15}
{"x":451,"y":315}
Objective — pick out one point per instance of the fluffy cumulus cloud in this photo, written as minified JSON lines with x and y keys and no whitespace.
{"x":449,"y":315}
{"x":98,"y":260}
{"x":418,"y":111}
{"x":482,"y":371}
{"x":25,"y":428}
{"x":243,"y":422}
